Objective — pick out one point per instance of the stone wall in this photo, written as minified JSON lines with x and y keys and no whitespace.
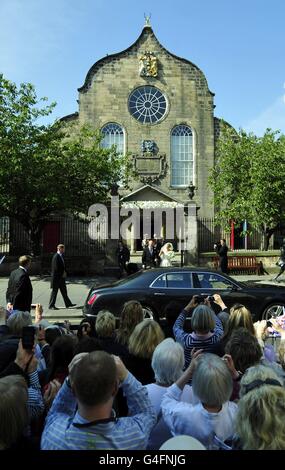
{"x":104,"y":98}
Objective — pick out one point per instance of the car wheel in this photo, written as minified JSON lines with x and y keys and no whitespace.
{"x":273,"y":310}
{"x":148,"y":312}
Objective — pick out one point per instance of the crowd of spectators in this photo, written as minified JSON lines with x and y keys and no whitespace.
{"x":135,"y":385}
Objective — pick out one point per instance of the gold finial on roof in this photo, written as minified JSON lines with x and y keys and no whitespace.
{"x":147,"y":20}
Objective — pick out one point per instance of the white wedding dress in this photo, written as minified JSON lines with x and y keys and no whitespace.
{"x":166,"y":258}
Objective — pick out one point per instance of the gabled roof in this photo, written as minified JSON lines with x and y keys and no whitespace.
{"x":147,"y":30}
{"x":161,"y":195}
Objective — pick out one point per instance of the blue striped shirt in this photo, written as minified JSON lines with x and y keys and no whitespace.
{"x":126,"y":433}
{"x":35,"y":399}
{"x":192,"y":340}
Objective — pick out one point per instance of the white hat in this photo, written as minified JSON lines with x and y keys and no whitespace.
{"x":182,"y":443}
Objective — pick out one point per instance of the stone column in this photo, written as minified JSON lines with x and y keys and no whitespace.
{"x":133,"y":245}
{"x":191,"y":223}
{"x":112,"y":238}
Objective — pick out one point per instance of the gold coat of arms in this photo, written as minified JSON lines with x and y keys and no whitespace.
{"x":148,"y":65}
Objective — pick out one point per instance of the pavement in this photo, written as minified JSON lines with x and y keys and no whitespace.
{"x":78,"y":288}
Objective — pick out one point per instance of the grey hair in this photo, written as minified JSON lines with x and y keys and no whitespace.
{"x":167,"y":361}
{"x":212,"y":381}
{"x":17,"y":321}
{"x":203,"y":319}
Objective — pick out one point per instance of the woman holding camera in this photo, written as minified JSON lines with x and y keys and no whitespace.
{"x":207,"y":328}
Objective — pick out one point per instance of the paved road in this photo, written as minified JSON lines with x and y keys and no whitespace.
{"x":78,"y":289}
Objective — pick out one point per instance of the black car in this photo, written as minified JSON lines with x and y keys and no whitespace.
{"x":155,"y":288}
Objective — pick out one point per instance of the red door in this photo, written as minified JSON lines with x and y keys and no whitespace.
{"x":51,"y":237}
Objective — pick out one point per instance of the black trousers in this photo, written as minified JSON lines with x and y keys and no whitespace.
{"x":62,"y":287}
{"x":224,"y":265}
{"x":123,"y":267}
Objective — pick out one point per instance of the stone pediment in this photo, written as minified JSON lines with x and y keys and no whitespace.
{"x":149,"y":193}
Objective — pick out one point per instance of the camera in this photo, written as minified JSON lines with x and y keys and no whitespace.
{"x":200,"y":298}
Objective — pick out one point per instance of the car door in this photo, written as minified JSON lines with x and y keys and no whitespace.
{"x":171,"y":286}
{"x":210,"y":283}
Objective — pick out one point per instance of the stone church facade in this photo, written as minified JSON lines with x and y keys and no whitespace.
{"x":158,"y":108}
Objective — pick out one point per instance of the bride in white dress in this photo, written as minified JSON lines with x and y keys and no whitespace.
{"x":166,"y":255}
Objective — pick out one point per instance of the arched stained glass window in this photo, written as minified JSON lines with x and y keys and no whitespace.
{"x":113,"y":135}
{"x":181,"y":156}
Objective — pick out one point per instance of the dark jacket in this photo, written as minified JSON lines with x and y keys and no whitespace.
{"x":111,"y":346}
{"x":140,"y":368}
{"x":8,"y":350}
{"x":20,"y":291}
{"x":123,"y":255}
{"x":158,"y":246}
{"x":57,"y":269}
{"x":222,"y":251}
{"x":148,"y":258}
{"x":14,"y":369}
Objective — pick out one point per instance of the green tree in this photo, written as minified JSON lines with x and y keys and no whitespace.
{"x":49,"y":168}
{"x":248,"y":180}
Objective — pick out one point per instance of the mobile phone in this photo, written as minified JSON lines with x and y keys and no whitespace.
{"x":28,"y":337}
{"x":268,"y":324}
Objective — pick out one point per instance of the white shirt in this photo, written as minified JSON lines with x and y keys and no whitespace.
{"x":61,"y":255}
{"x":161,"y":432}
{"x":194,"y":420}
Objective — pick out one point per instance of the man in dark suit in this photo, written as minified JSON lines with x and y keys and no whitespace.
{"x":157,"y":245}
{"x":58,"y":275}
{"x":149,"y":256}
{"x":123,"y":254}
{"x":20,"y":291}
{"x":222,"y":250}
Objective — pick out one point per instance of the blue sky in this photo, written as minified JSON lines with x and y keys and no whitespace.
{"x":238,"y":44}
